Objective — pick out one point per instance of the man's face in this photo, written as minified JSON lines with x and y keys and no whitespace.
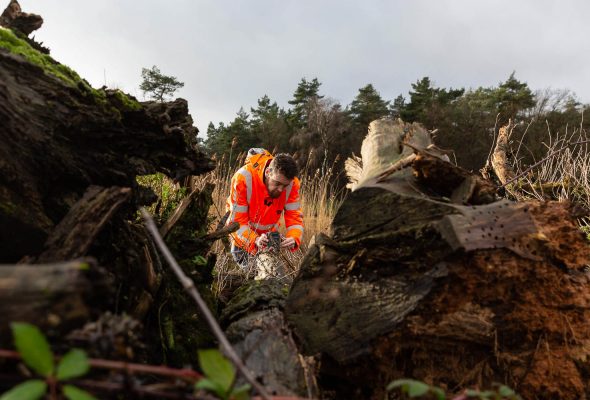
{"x":276,"y":183}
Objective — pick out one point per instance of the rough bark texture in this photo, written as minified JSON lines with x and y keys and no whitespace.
{"x":74,"y":235}
{"x":55,"y":297}
{"x":56,"y":140}
{"x":69,"y":158}
{"x":499,"y":160}
{"x":257,"y":329}
{"x":14,"y":18}
{"x":425,"y":284}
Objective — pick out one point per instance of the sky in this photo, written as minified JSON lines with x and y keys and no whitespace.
{"x":231,"y":53}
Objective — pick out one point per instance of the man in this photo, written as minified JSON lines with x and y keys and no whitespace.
{"x":261,"y":191}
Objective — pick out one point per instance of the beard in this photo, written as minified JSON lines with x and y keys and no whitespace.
{"x":275,"y":194}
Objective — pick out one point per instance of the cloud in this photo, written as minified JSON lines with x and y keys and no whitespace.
{"x":230,"y":53}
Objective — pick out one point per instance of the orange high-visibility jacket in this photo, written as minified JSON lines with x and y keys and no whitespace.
{"x":251,"y":206}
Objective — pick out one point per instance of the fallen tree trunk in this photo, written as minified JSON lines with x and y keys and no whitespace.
{"x":425,"y":284}
{"x":258,"y":331}
{"x":74,"y":235}
{"x":69,"y":158}
{"x":55,"y":296}
{"x":58,"y":136}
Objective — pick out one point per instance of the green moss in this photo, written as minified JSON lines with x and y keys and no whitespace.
{"x":84,"y":266}
{"x":127,"y":103}
{"x":15,"y":45}
{"x":8,"y":208}
{"x":12,"y":43}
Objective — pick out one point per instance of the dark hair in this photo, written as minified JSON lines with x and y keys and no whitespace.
{"x":285,"y":165}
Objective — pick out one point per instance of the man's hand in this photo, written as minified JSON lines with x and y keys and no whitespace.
{"x":288,"y":243}
{"x":261,"y":241}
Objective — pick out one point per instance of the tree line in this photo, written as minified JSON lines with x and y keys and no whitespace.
{"x":318,"y":129}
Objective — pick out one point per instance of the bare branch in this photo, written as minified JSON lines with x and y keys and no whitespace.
{"x":190,"y":288}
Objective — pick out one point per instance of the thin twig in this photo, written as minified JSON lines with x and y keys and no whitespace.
{"x":223,"y":232}
{"x":396,"y":166}
{"x":190,"y":288}
{"x":131,"y":368}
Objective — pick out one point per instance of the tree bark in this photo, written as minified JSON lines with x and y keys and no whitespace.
{"x":74,"y":235}
{"x":56,"y":140}
{"x":258,"y":331}
{"x":428,"y":285}
{"x":54,"y":296}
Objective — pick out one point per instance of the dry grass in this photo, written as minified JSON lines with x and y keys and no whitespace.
{"x":563,"y":173}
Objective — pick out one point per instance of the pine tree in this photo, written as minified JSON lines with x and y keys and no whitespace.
{"x":398,"y":106}
{"x":305,"y":92}
{"x":368,"y":106}
{"x":512,"y":97}
{"x":157,"y":85}
{"x":428,"y":103}
{"x":269,"y":125}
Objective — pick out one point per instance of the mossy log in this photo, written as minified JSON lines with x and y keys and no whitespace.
{"x":56,"y":297}
{"x":257,"y":329}
{"x":459,"y":291}
{"x":76,"y":232}
{"x":58,"y":136}
{"x":69,"y":158}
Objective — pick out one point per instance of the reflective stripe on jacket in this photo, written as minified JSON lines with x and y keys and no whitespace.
{"x":251,"y":206}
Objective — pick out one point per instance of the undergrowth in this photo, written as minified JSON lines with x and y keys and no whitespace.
{"x":563,"y":174}
{"x":169,"y":193}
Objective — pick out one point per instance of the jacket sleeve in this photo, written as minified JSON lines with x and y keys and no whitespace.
{"x":244,"y":237}
{"x":293,"y":215}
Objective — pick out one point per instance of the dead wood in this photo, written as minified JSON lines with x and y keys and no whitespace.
{"x":190,"y":288}
{"x":499,"y":159}
{"x":14,"y":18}
{"x":177,"y":214}
{"x":77,"y":231}
{"x":260,"y":335}
{"x":445,"y":287}
{"x":223,"y":232}
{"x":53,"y":296}
{"x":57,"y":140}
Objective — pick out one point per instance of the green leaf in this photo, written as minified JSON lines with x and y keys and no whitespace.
{"x":397,"y":383}
{"x":487,"y":394}
{"x":505,"y":391}
{"x":72,"y":365}
{"x":439,"y":393}
{"x":217,"y":368}
{"x":240,"y":393}
{"x":207,"y":384}
{"x":33,"y":348}
{"x":29,"y":390}
{"x":417,"y":389}
{"x":73,"y":393}
{"x":200,"y":260}
{"x":412,"y":387}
